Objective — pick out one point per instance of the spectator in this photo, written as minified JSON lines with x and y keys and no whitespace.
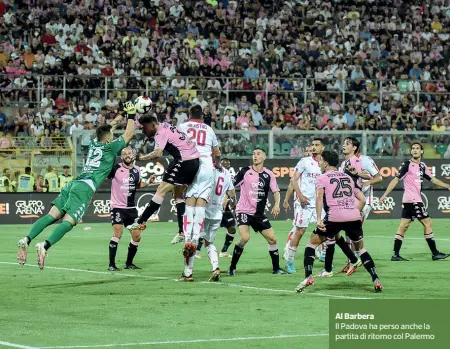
{"x":384,"y":145}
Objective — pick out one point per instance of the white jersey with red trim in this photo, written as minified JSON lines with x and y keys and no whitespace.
{"x":362,"y":164}
{"x":309,"y":170}
{"x":202,"y":135}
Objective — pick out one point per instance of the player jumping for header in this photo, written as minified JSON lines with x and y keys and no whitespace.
{"x":413,"y":172}
{"x":73,"y":201}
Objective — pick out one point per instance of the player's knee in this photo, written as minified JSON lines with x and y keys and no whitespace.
{"x":300,"y":231}
{"x":232,"y":230}
{"x":244,"y":239}
{"x":271,"y":240}
{"x":136,"y":235}
{"x":117,"y":231}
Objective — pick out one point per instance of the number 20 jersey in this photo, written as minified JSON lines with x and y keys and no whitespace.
{"x":202,"y":135}
{"x":223,"y":182}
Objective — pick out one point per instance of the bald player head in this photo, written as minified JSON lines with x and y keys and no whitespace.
{"x":127,"y":156}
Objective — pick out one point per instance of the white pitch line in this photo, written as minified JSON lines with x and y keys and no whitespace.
{"x":15,"y":345}
{"x":224,"y":284}
{"x":187,"y":341}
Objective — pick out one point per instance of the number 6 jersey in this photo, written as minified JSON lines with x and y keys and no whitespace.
{"x":222,"y":183}
{"x":339,"y":197}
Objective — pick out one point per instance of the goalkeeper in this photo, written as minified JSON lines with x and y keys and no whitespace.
{"x":74,"y":199}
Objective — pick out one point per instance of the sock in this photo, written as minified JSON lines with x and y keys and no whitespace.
{"x":329,"y":255}
{"x":39,"y":226}
{"x":61,"y":230}
{"x":154,"y":206}
{"x":308,"y":261}
{"x":188,"y":222}
{"x":291,"y":252}
{"x":431,"y":243}
{"x":199,"y":218}
{"x":397,"y":244}
{"x":200,"y":244}
{"x":188,"y":265}
{"x":346,"y":249}
{"x":275,"y":256}
{"x":132,"y":250}
{"x":368,"y":263}
{"x":181,"y":206}
{"x":213,"y":256}
{"x":236,"y":255}
{"x":229,"y":237}
{"x":292,"y":232}
{"x":113,"y":250}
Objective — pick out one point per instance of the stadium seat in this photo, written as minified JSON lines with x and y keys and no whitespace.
{"x":441,"y":149}
{"x":276,"y":149}
{"x":286,"y":148}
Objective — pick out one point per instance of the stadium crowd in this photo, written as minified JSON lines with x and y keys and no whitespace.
{"x":286,"y":65}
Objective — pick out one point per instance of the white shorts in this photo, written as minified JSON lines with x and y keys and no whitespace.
{"x":209,"y":230}
{"x":203,"y":182}
{"x":305,"y":215}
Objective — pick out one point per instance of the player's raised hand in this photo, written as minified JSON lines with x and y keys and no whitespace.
{"x":276,"y":211}
{"x":129,"y":108}
{"x":286,"y":205}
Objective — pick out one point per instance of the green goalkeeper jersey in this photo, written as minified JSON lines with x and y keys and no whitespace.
{"x":100,"y":160}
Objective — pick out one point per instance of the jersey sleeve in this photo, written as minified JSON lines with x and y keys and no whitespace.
{"x":239,"y":178}
{"x":161,"y":139}
{"x":427,"y":173}
{"x":273,"y":183}
{"x":403,"y":170}
{"x":112,"y":174}
{"x":320,"y":182}
{"x":370,"y":166}
{"x":117,"y":145}
{"x":230,"y":185}
{"x":300,"y":167}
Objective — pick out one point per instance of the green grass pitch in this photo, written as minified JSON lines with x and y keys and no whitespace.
{"x":75,"y":303}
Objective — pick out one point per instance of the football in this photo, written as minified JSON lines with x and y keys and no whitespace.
{"x":143,"y":104}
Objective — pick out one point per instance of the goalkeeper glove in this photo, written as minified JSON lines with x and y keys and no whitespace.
{"x":130,"y":109}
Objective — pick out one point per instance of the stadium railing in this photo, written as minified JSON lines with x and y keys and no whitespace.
{"x":288,"y":144}
{"x":301,"y":88}
{"x":36,"y":152}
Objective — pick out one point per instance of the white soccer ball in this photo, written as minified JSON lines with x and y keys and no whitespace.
{"x":143,"y":104}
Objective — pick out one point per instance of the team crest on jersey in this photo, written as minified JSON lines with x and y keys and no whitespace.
{"x":265,"y":175}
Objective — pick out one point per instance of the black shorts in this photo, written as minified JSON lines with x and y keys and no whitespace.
{"x":181,"y":172}
{"x":352,"y":229}
{"x":258,"y":223}
{"x":123,"y":216}
{"x":228,"y":220}
{"x":413,"y":210}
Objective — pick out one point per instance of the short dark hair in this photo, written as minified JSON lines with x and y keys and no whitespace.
{"x":196,"y":112}
{"x":5,"y":169}
{"x":354,"y":142}
{"x":331,"y":157}
{"x":102,"y":132}
{"x":419,"y":144}
{"x":147,"y":119}
{"x":257,"y":148}
{"x":28,"y":169}
{"x":66,"y":166}
{"x":319,"y":140}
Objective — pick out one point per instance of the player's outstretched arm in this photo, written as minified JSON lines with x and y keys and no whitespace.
{"x":390,"y":188}
{"x":130,"y":109}
{"x":289,"y":192}
{"x":157,"y":153}
{"x":439,"y":183}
